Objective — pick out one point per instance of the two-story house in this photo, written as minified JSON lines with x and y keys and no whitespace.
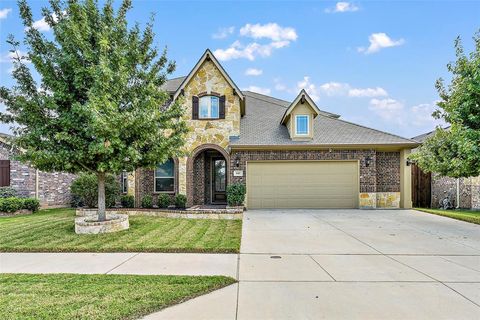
{"x":289,"y":154}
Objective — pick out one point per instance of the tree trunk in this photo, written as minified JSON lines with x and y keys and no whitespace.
{"x":101,"y":196}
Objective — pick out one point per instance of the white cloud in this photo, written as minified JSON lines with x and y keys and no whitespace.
{"x":367,"y":92}
{"x":334,"y":88}
{"x":253,"y":72}
{"x":421,"y":115}
{"x":4,"y":13}
{"x":42,"y":25}
{"x":311,"y":88}
{"x":344,"y":89}
{"x":223,"y":33}
{"x":388,"y":109}
{"x":278,"y":37}
{"x":379,"y":41}
{"x":258,"y":90}
{"x":270,"y":31}
{"x":8,"y":58}
{"x":250,"y":51}
{"x":342,"y":6}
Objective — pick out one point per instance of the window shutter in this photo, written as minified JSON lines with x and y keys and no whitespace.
{"x":4,"y":173}
{"x":194,"y":107}
{"x":222,"y":108}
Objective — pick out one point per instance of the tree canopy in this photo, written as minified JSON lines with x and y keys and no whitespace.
{"x":455,"y":151}
{"x":99,"y":105}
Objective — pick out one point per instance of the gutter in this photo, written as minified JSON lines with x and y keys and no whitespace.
{"x":325,"y":146}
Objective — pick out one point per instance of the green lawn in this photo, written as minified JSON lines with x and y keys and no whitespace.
{"x":53,"y":231}
{"x":464,"y":215}
{"x":71,"y":296}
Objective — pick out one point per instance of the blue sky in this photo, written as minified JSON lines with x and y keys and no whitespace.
{"x":374,"y":63}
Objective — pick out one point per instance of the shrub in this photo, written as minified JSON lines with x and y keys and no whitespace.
{"x":164,"y":200}
{"x":76,"y":201}
{"x":128,"y":201}
{"x":236,"y":194}
{"x":13,"y":204}
{"x":85,"y":189}
{"x":7,"y":192}
{"x":147,"y":202}
{"x":10,"y":204}
{"x":180,"y":201}
{"x":31,"y":204}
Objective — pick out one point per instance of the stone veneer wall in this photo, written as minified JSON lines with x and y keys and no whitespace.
{"x":381,"y":177}
{"x":469,"y":191}
{"x":53,"y":187}
{"x":207,"y":79}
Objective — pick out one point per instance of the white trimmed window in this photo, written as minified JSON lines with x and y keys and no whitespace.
{"x":209,"y":107}
{"x":302,"y":125}
{"x":165,"y":177}
{"x":124,"y":178}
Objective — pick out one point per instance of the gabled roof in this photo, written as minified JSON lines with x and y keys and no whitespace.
{"x":261,"y":127}
{"x":208,"y":55}
{"x":302,"y":96}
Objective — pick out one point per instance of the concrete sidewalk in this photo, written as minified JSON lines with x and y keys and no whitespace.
{"x":348,"y":264}
{"x":121,"y":263}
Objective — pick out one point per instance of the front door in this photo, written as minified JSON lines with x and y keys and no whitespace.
{"x":219,"y":180}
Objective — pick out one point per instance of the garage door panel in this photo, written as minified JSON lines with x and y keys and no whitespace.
{"x":302,"y":184}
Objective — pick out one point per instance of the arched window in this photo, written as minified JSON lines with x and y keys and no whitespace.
{"x":209,"y":107}
{"x":165,"y":177}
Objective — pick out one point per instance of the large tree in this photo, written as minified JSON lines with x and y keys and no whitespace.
{"x":98,"y":106}
{"x":455,"y":152}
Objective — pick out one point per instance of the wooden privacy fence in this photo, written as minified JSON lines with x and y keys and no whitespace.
{"x":421,"y":188}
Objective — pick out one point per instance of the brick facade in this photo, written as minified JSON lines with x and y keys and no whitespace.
{"x":53,"y":187}
{"x":377,"y":177}
{"x":388,"y":171}
{"x":381,"y":176}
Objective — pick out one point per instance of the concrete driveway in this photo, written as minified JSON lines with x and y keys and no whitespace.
{"x":348,"y":264}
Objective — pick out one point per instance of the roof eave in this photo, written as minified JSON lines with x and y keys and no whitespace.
{"x":301,"y":95}
{"x":208,"y":54}
{"x":393,"y":146}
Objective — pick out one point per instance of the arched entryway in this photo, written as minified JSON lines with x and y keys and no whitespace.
{"x":207,"y":175}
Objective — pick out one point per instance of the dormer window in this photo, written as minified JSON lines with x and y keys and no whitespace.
{"x":209,"y":107}
{"x":302,"y":125}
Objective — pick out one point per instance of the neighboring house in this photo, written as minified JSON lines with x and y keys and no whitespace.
{"x":429,"y":189}
{"x":289,"y":154}
{"x":52,"y":189}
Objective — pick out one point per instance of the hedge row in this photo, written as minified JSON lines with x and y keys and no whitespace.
{"x":13,"y":204}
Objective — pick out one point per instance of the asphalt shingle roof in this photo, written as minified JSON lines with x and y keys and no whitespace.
{"x":261,"y":126}
{"x":421,"y":138}
{"x":173,"y":84}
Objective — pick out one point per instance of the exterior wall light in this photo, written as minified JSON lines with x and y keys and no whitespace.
{"x":237,"y":161}
{"x":368,"y":161}
{"x":410,"y":162}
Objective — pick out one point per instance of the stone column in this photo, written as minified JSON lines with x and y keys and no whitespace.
{"x":405,"y":180}
{"x":131,"y":183}
{"x":182,"y":175}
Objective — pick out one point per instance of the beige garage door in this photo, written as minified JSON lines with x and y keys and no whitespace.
{"x":302,"y":184}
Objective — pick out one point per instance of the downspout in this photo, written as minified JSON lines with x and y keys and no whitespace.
{"x":458,"y":194}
